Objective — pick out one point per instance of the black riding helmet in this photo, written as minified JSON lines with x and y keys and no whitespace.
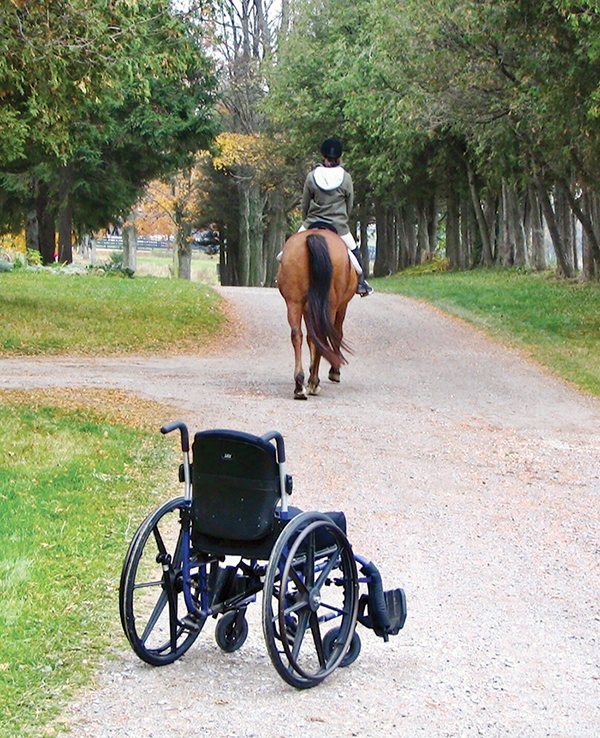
{"x":331,"y":148}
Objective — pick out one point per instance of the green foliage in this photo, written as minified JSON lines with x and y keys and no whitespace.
{"x":52,"y":313}
{"x":101,"y":96}
{"x":72,"y":481}
{"x":513,"y":84}
{"x":114,"y":265}
{"x":556,"y":321}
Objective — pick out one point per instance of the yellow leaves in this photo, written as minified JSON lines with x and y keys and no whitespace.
{"x":240,"y":149}
{"x":13,"y":243}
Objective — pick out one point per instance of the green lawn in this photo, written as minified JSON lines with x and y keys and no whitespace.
{"x":53,"y":313}
{"x":76,"y":478}
{"x":557,"y":322}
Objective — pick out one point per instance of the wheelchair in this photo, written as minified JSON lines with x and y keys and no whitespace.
{"x":233,"y":535}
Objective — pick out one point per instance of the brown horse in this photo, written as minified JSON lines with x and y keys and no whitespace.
{"x":317,"y":282}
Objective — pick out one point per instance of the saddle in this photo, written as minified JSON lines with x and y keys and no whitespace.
{"x":322,"y":225}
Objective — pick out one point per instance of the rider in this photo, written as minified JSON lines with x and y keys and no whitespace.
{"x":327,"y":199}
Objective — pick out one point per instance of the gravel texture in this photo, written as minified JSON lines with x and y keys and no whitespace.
{"x":467,"y":474}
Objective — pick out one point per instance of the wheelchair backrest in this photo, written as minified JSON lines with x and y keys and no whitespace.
{"x":235,"y":485}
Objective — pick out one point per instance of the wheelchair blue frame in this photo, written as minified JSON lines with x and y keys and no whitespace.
{"x":178,"y":571}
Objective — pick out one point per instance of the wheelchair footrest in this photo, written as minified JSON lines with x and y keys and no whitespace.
{"x":395,"y":601}
{"x":193,"y":622}
{"x":383,"y":612}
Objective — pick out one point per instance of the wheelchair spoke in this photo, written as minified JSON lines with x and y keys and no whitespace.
{"x":298,"y":581}
{"x":316,"y":634}
{"x":159,"y":540}
{"x":299,"y":634}
{"x":331,"y":564}
{"x":153,"y":619}
{"x":309,"y":565}
{"x":141,"y":585}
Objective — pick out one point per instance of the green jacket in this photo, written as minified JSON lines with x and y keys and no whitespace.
{"x":328,"y":196}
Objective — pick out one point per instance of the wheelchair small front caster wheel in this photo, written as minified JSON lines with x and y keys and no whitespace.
{"x":329,"y":642}
{"x":231,"y":631}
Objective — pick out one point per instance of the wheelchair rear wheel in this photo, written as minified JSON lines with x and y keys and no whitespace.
{"x":311,"y":584}
{"x":151,"y":601}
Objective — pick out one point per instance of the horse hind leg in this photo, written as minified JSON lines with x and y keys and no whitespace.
{"x":313,"y":378}
{"x":334,"y":372}
{"x":299,"y":389}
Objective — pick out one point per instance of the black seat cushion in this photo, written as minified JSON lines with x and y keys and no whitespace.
{"x":261,"y":549}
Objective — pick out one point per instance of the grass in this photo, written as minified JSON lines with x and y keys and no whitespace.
{"x":76,"y":476}
{"x":48,"y":313}
{"x":158,"y":263}
{"x":557,"y":322}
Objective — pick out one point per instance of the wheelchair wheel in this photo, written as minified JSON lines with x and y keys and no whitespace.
{"x":311,"y":584}
{"x":151,"y":610}
{"x":231,"y":631}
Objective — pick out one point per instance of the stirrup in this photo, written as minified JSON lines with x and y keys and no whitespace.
{"x":364,"y":289}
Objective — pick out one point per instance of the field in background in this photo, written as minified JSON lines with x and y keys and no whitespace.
{"x":158,"y":263}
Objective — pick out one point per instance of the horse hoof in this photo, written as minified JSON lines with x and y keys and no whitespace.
{"x":300,"y":394}
{"x":314,"y":390}
{"x":334,"y":375}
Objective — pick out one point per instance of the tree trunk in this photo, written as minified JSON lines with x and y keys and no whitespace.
{"x":65,"y":217}
{"x":587,"y":216}
{"x":45,"y":218}
{"x":32,"y":231}
{"x":490,"y":208}
{"x":275,"y":233}
{"x":563,"y":264}
{"x":409,"y":232}
{"x":484,"y":231}
{"x":256,"y":203}
{"x":453,"y":229}
{"x":383,"y":256}
{"x":563,"y":216}
{"x":505,"y":245}
{"x":538,"y":247}
{"x":590,"y":207}
{"x":244,"y":245}
{"x":466,"y":248}
{"x":129,"y":246}
{"x":432,"y":227}
{"x":515,"y":227}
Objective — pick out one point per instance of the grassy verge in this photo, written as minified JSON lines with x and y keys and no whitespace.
{"x":47,"y":313}
{"x":557,"y":322}
{"x":76,"y":478}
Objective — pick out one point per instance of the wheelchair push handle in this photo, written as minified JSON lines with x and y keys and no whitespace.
{"x":278,"y":438}
{"x":182,"y":427}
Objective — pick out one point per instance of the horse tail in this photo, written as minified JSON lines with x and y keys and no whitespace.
{"x":320,"y":327}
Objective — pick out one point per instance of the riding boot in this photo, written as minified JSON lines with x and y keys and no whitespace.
{"x":364,"y":288}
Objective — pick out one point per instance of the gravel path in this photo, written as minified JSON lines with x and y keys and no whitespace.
{"x":467,"y":474}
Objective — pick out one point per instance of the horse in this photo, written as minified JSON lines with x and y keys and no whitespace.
{"x":317,"y":281}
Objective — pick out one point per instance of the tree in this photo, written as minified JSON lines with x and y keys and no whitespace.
{"x":107,"y":97}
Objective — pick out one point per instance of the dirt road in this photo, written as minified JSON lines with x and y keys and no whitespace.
{"x":467,"y":474}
